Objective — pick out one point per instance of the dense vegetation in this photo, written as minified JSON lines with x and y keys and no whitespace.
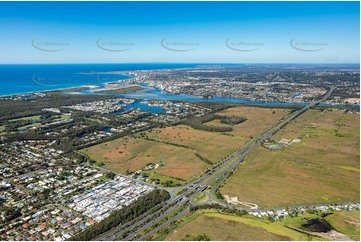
{"x":317,"y":225}
{"x":232,"y":120}
{"x":204,"y":159}
{"x":8,"y":213}
{"x":199,"y":122}
{"x":199,"y":237}
{"x":219,"y":207}
{"x":10,"y":109}
{"x":123,"y":215}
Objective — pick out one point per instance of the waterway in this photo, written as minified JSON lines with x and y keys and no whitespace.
{"x":152,"y":93}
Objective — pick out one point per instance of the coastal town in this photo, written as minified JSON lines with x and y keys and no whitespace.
{"x":58,"y":202}
{"x":50,"y":189}
{"x":180,"y":120}
{"x":47,"y":194}
{"x":248,"y":84}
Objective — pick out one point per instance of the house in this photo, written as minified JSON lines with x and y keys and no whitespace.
{"x":92,"y":221}
{"x":43,"y":226}
{"x":26,"y":218}
{"x":4,"y":236}
{"x":284,"y":141}
{"x":19,"y":238}
{"x":32,"y":238}
{"x":66,"y":236}
{"x":83,"y":226}
{"x":26,"y":225}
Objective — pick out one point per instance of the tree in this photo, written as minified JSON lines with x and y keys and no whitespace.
{"x":199,"y":237}
{"x":110,"y":175}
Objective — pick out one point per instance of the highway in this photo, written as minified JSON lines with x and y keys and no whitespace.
{"x":218,"y":175}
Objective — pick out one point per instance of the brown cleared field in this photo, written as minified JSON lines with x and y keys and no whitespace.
{"x":217,"y":123}
{"x":163,"y":144}
{"x":132,"y":154}
{"x":221,"y":227}
{"x":211,"y":145}
{"x":214,"y":145}
{"x":324,"y":167}
{"x":258,"y":119}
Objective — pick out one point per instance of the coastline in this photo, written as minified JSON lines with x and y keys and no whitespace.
{"x":44,"y":91}
{"x":235,"y":101}
{"x":64,"y":89}
{"x":99,"y":89}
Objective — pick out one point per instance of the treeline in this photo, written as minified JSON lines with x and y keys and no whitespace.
{"x":220,"y":208}
{"x":123,"y":215}
{"x":199,"y":237}
{"x":216,"y":106}
{"x":205,"y":206}
{"x":11,"y":109}
{"x":81,"y":145}
{"x":27,"y":136}
{"x":170,"y":183}
{"x":204,"y":159}
{"x":8,"y":213}
{"x":199,"y":122}
{"x":178,"y":145}
{"x":13,"y":126}
{"x":233,"y":120}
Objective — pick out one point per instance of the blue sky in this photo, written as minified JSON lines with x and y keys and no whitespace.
{"x":206,"y":32}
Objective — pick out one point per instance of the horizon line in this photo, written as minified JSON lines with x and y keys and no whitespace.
{"x":207,"y":63}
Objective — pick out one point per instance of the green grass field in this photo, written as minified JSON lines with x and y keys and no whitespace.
{"x":346,"y":222}
{"x":324,"y":167}
{"x":29,"y":126}
{"x":95,"y":120}
{"x":33,"y":118}
{"x":62,"y":117}
{"x":220,"y":226}
{"x":258,"y":119}
{"x":2,"y":128}
{"x":200,"y":198}
{"x":223,"y":227}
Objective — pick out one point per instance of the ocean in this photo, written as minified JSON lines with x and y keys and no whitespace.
{"x":20,"y":79}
